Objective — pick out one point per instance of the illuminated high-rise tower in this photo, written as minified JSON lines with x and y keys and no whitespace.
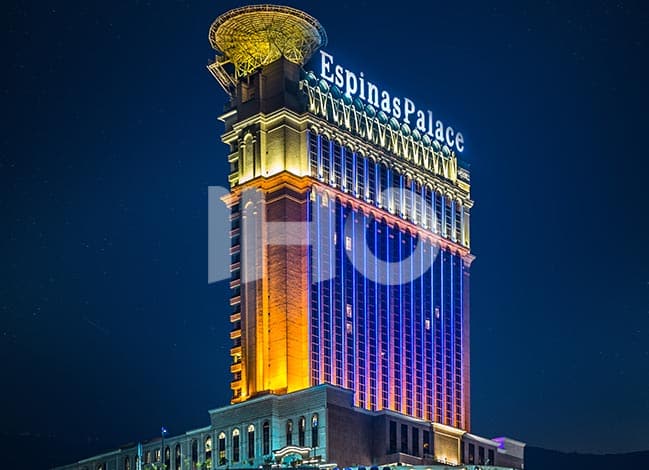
{"x":350,"y":256}
{"x":367,"y":287}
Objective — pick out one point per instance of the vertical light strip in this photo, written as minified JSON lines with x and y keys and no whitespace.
{"x":452,"y":345}
{"x":442,"y":313}
{"x":331,"y":280}
{"x":464,"y":424}
{"x":453,"y":237}
{"x":309,"y":287}
{"x":318,"y":253}
{"x":319,"y":147}
{"x":366,"y":351}
{"x":378,"y":375}
{"x":343,"y":297}
{"x":422,"y":329}
{"x":388,"y":319}
{"x":355,"y":312}
{"x":402,"y":330}
{"x":433,"y":330}
{"x":413,"y":337}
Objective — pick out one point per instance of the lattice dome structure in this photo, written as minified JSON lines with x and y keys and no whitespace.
{"x":253,"y":36}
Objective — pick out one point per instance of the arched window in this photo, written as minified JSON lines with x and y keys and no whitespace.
{"x":301,"y":427}
{"x":266,"y":438}
{"x":147,"y":457}
{"x":178,"y":457}
{"x":222,"y":458}
{"x":248,"y":154}
{"x":127,"y":463}
{"x":251,"y":441}
{"x":314,"y":430}
{"x":167,"y":458}
{"x":235,"y":445}
{"x":208,"y":448}
{"x":326,"y":165}
{"x":383,"y":184}
{"x":194,"y":453}
{"x":289,"y":433}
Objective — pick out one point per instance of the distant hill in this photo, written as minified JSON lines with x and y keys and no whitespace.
{"x":543,"y":459}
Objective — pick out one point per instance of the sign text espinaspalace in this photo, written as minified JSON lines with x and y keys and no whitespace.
{"x":403,"y":109}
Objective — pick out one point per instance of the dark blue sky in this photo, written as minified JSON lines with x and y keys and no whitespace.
{"x":108,"y":327}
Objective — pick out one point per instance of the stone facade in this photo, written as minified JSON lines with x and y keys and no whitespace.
{"x":317,"y":426}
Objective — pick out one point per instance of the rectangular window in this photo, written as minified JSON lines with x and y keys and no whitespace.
{"x":393,"y":438}
{"x":415,"y":441}
{"x":404,"y":438}
{"x":427,"y":447}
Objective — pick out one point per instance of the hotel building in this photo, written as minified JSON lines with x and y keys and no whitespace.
{"x":350,"y":258}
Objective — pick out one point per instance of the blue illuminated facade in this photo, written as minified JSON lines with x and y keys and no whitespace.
{"x":399,"y":345}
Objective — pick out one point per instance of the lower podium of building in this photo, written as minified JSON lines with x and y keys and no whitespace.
{"x":318,"y":427}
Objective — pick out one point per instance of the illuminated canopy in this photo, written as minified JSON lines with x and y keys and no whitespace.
{"x":254,"y":36}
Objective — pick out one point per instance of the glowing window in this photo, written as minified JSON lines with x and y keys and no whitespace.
{"x":314,"y":430}
{"x":251,"y":441}
{"x":289,"y":433}
{"x":235,"y":445}
{"x":301,"y":425}
{"x":222,"y":458}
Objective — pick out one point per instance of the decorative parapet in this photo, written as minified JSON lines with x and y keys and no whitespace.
{"x":378,"y":129}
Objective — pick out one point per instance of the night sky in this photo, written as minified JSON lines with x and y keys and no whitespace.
{"x":108,"y":327}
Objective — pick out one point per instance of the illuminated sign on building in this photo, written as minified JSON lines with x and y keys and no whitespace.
{"x":404,"y":109}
